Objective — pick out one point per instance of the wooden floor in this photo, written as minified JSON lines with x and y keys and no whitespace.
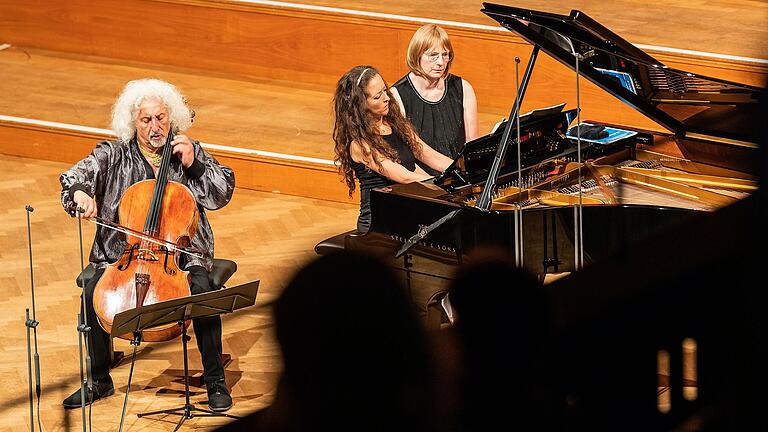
{"x":268,"y":235}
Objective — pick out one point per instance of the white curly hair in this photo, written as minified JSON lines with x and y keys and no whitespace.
{"x":126,"y":107}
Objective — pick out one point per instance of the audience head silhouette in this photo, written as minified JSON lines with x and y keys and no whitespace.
{"x":355,"y":353}
{"x":501,"y":322}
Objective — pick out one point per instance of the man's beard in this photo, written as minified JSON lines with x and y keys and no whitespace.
{"x":156,"y":142}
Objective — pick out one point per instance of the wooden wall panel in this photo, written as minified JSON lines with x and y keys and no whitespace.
{"x":267,"y":42}
{"x":735,"y":27}
{"x":251,"y":171}
{"x":44,"y":143}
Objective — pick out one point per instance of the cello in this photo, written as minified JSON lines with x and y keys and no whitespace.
{"x":148,"y":270}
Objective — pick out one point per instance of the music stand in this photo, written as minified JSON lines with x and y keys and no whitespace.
{"x":181,"y":310}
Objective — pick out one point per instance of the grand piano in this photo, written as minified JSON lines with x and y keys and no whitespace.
{"x":576,"y":196}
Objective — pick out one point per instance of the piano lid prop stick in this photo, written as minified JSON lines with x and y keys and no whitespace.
{"x":484,"y":201}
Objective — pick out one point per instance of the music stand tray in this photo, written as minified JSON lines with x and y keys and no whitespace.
{"x":180,"y":310}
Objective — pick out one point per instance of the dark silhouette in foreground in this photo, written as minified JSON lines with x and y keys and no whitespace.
{"x":355,"y":354}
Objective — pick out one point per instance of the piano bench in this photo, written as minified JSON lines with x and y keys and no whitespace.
{"x":333,"y":244}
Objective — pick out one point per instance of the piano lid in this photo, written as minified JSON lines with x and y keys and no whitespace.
{"x":685,"y":103}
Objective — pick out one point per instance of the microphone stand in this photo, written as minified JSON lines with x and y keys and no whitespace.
{"x":518,"y":215}
{"x":577,"y":220}
{"x":31,"y":325}
{"x":86,"y":380}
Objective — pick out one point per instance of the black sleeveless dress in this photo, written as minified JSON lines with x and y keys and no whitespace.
{"x":370,"y":179}
{"x":440,"y":124}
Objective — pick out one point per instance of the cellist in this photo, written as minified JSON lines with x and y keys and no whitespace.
{"x":142,"y":117}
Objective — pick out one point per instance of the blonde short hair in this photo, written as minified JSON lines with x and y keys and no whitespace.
{"x":424,"y":38}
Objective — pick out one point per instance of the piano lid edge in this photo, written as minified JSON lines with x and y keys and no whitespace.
{"x":567,"y":31}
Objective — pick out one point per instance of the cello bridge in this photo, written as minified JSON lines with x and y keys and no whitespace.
{"x":146,"y":255}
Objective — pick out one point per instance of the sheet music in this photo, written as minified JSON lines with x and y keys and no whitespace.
{"x":532,"y":115}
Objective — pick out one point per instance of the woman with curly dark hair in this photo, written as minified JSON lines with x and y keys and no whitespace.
{"x":374,"y":141}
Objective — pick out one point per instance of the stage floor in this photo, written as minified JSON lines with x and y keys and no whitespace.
{"x":269,"y":236}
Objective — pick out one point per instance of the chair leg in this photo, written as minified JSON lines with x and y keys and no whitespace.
{"x":117,"y":357}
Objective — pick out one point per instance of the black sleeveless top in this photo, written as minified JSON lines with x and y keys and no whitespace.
{"x":370,"y":179}
{"x":440,"y":124}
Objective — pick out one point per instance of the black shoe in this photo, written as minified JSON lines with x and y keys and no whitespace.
{"x":101,"y":389}
{"x":219,"y":399}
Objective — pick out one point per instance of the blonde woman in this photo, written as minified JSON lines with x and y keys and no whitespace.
{"x":441,"y":106}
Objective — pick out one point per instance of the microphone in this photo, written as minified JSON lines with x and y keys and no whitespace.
{"x":73,"y":209}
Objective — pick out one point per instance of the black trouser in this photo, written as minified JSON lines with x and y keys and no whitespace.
{"x":207,"y":331}
{"x":364,"y":219}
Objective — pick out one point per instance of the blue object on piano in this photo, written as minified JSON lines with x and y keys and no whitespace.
{"x":613,"y":135}
{"x":623,"y":78}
